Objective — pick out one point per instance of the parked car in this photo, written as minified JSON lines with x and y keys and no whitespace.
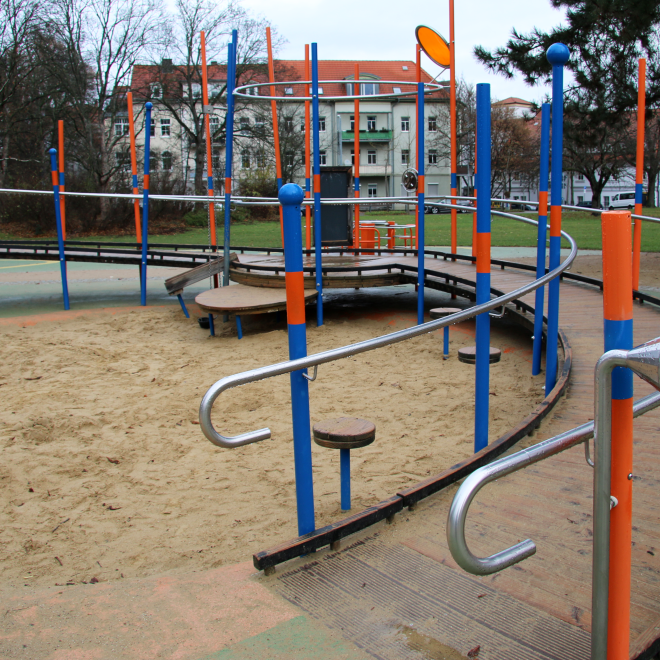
{"x":435,"y":209}
{"x":584,"y":204}
{"x":622,"y":200}
{"x":523,"y":207}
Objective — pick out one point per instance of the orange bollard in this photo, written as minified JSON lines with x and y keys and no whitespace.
{"x":618,"y":326}
{"x":391,"y":240}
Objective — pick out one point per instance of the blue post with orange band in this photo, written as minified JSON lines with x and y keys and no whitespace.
{"x":420,"y":203}
{"x":291,"y":197}
{"x":58,"y":222}
{"x":145,"y":202}
{"x":541,"y":237}
{"x":316,"y":145}
{"x":618,"y":332}
{"x":229,"y":152}
{"x":557,"y":55}
{"x":482,"y":371}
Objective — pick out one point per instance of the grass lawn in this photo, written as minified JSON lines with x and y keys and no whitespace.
{"x":583,"y":226}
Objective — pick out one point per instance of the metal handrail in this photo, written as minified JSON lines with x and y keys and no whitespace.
{"x":281,"y":368}
{"x":500,"y":468}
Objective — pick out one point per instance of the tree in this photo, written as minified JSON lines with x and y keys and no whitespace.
{"x":606,"y":40}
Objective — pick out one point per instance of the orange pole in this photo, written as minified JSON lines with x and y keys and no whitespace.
{"x":276,"y":130}
{"x":639,"y":174}
{"x":618,"y":313}
{"x":452,"y":124}
{"x":60,"y":135}
{"x":474,"y":203}
{"x":131,"y":133}
{"x":356,"y":149}
{"x":308,"y":157}
{"x":418,"y":69}
{"x":209,"y":147}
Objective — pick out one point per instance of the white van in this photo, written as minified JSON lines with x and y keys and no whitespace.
{"x":622,"y":200}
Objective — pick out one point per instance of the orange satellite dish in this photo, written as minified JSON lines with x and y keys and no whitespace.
{"x":433,"y":45}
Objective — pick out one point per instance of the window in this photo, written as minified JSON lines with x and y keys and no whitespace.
{"x":289,"y":157}
{"x":152,"y":132}
{"x":244,"y":123}
{"x":322,"y":158}
{"x":433,"y":124}
{"x":166,"y":159}
{"x":121,"y":126}
{"x":372,"y":190}
{"x":580,"y":177}
{"x":215,"y":159}
{"x":433,"y":157}
{"x":288,"y":91}
{"x":261,"y":159}
{"x":259,"y":121}
{"x":320,"y":91}
{"x":302,"y":125}
{"x":165,"y":129}
{"x":216,"y":88}
{"x":195,"y":88}
{"x":153,"y":163}
{"x":245,"y":160}
{"x":405,"y":124}
{"x":405,"y":157}
{"x":123,"y":159}
{"x":288,"y":125}
{"x":371,"y":122}
{"x":396,"y":90}
{"x":371,"y":157}
{"x":352,"y":156}
{"x":368,"y":89}
{"x":606,"y":201}
{"x":405,"y":68}
{"x":352,"y":122}
{"x":215,"y":127}
{"x":321,"y":124}
{"x":156,"y":91}
{"x":252,"y":91}
{"x":523,"y":198}
{"x":580,"y":199}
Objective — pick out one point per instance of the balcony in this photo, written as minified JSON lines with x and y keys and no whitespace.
{"x":375,"y":170}
{"x":382,"y":135}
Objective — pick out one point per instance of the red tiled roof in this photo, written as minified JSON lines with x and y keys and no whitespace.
{"x":513,"y":100}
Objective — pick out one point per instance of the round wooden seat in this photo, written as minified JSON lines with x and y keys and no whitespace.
{"x":344,"y":433}
{"x":441,"y":312}
{"x":469,"y":354}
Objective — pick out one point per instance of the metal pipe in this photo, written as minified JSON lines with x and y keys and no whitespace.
{"x":60,"y":136}
{"x":419,"y":242}
{"x":331,"y":355}
{"x":58,"y":222}
{"x":229,"y":152}
{"x":317,"y":185}
{"x":145,"y":202}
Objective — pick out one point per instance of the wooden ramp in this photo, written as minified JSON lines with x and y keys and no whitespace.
{"x":398,"y":594}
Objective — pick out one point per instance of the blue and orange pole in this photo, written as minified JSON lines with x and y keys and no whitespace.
{"x":618,"y":331}
{"x":145,"y":202}
{"x":60,"y":136}
{"x":134,"y":175}
{"x":308,"y":187}
{"x":557,"y":55}
{"x":317,"y":185}
{"x":58,"y":222}
{"x":541,"y":237}
{"x":482,"y":372}
{"x":639,"y":171}
{"x":452,"y":125}
{"x":229,"y":152}
{"x":420,"y":202}
{"x":291,"y":196}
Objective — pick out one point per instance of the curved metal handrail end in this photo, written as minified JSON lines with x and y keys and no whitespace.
{"x":219,"y":440}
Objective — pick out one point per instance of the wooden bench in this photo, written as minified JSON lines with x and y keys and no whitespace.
{"x":176,"y":284}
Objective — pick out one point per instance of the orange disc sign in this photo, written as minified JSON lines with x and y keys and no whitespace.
{"x":433,"y":45}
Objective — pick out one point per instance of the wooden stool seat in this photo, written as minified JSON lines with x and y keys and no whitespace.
{"x":469,"y":354}
{"x":344,"y":433}
{"x":441,"y":312}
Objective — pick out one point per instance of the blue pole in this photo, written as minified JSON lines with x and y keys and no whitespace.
{"x":557,"y":55}
{"x":481,"y":402}
{"x":541,"y":236}
{"x":145,"y":203}
{"x":58,"y":222}
{"x":345,"y":473}
{"x":229,"y":152}
{"x":420,"y":203}
{"x":445,"y":343}
{"x":317,"y":186}
{"x":291,"y":197}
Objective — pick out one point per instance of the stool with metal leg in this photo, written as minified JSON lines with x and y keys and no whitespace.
{"x":440,"y":313}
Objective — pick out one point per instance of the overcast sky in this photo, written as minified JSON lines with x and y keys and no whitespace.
{"x":385,"y":29}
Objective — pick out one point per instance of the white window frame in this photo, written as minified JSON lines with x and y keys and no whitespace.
{"x":432,"y":157}
{"x":371,"y":122}
{"x":433,"y":124}
{"x":165,"y":127}
{"x":156,"y":90}
{"x":371,"y":158}
{"x":121,"y":126}
{"x":405,"y":124}
{"x":372,"y":190}
{"x":321,"y":124}
{"x":245,"y":160}
{"x":164,"y":157}
{"x":405,"y":156}
{"x":323,"y":158}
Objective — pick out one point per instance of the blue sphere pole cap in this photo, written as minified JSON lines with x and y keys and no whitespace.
{"x":52,"y":151}
{"x":148,"y":105}
{"x":291,"y":194}
{"x":558,"y":54}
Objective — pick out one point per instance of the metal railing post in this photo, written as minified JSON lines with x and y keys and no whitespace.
{"x":58,"y":222}
{"x":229,"y":152}
{"x":420,"y":202}
{"x":291,"y":196}
{"x":557,"y":55}
{"x":316,"y":145}
{"x":541,"y":236}
{"x":145,"y":203}
{"x":482,"y":367}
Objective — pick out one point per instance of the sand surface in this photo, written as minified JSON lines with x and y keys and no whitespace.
{"x":105,"y":471}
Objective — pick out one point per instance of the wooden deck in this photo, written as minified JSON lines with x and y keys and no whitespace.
{"x":398,"y":594}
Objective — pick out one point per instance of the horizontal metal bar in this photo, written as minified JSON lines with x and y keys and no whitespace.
{"x":500,"y":468}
